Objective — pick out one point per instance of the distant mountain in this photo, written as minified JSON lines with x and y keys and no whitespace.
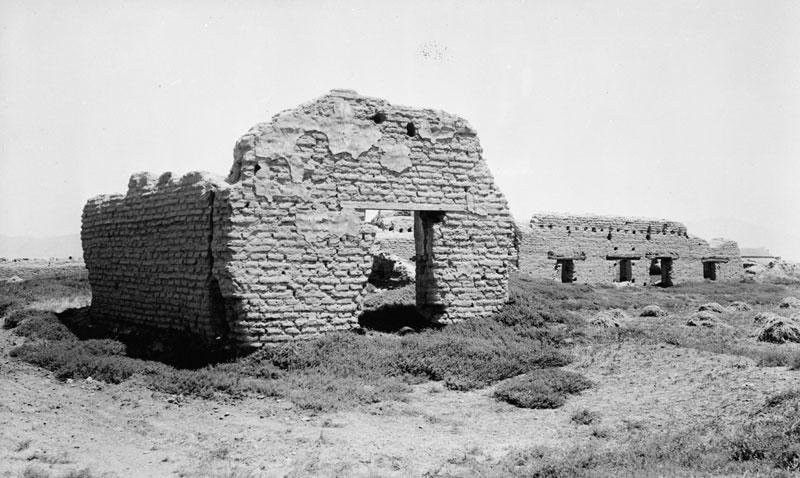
{"x":41,"y":247}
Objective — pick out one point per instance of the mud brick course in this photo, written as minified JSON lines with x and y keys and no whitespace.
{"x":607,"y":249}
{"x":280,"y":249}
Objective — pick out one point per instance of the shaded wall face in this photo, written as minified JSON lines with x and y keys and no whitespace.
{"x":149,"y":257}
{"x":299,"y":250}
{"x":600,"y":247}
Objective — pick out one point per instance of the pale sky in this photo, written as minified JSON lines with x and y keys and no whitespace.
{"x":677,"y":109}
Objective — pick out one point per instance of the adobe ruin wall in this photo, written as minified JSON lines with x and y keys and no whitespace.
{"x":599,"y":248}
{"x":395,"y":234}
{"x":289,"y":248}
{"x":149,"y":253}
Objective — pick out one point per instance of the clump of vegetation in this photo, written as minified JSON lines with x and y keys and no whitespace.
{"x":41,"y":325}
{"x":609,"y":318}
{"x":767,"y":444}
{"x":772,"y":435}
{"x":765,"y":317}
{"x":333,"y":371}
{"x":711,"y":307}
{"x":652,"y":310}
{"x":735,"y":336}
{"x":739,"y":306}
{"x":51,"y":286}
{"x":546,"y":388}
{"x":584,"y":416}
{"x":16,"y":317}
{"x":780,"y":330}
{"x":527,"y":339}
{"x":35,"y":472}
{"x":790,"y":303}
{"x":705,"y":318}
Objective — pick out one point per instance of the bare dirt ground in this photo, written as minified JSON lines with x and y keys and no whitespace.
{"x":127,"y":430}
{"x":52,"y":428}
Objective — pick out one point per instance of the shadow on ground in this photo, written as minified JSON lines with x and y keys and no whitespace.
{"x":394,"y":318}
{"x":175,"y":348}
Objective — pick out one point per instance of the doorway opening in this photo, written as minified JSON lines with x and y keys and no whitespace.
{"x":567,"y":267}
{"x":393,"y":257}
{"x":404,"y":254}
{"x":666,"y":272}
{"x":655,"y":269}
{"x":710,"y":270}
{"x":625,"y":271}
{"x":661,"y":271}
{"x":427,"y":291}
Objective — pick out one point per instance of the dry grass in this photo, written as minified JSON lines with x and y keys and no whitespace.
{"x":738,"y":336}
{"x":517,"y":350}
{"x":585,"y":416}
{"x":334,"y":371}
{"x":36,"y":472}
{"x":532,"y":333}
{"x":547,"y":388}
{"x":766,"y":444}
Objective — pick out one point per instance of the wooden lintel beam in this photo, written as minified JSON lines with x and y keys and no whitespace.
{"x":581,"y":256}
{"x":661,"y":255}
{"x":715,"y":259}
{"x":404,"y":206}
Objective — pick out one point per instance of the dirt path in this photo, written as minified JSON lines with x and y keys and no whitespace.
{"x":126,"y":430}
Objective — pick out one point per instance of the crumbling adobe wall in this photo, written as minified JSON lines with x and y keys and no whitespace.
{"x":395,"y":234}
{"x":280,"y":250}
{"x":598,"y":244}
{"x":298,"y":249}
{"x":732,"y":267}
{"x":149,"y":255}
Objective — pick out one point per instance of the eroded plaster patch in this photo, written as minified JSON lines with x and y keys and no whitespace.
{"x":345,"y":133}
{"x":436,"y":130}
{"x":395,"y":157}
{"x":320,"y":223}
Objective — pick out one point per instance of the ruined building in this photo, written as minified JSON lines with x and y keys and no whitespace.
{"x":394,"y":251}
{"x":606,"y":249}
{"x":280,"y":249}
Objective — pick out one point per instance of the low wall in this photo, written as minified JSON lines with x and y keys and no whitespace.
{"x":149,"y":256}
{"x":599,"y":246}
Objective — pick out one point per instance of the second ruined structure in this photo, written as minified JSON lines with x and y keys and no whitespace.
{"x":281,"y":249}
{"x":608,"y":249}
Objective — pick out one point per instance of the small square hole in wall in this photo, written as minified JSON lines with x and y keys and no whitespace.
{"x":378,"y":117}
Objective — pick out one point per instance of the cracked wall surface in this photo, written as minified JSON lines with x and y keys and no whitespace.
{"x":597,"y":244}
{"x":290,"y":249}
